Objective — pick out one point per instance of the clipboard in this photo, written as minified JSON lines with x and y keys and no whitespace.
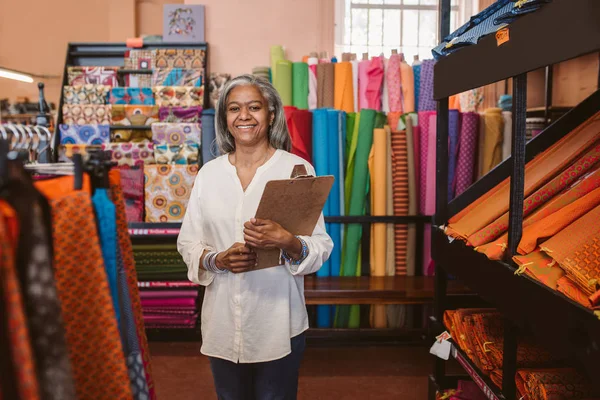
{"x":295,"y":204}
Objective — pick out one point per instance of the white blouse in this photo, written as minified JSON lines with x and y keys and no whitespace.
{"x":248,"y":317}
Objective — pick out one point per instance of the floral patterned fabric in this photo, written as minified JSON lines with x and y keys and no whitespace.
{"x":85,"y":94}
{"x":84,"y":134}
{"x":93,"y":114}
{"x":94,"y":75}
{"x":175,"y":133}
{"x":168,"y":189}
{"x":176,"y":154}
{"x":131,"y":95}
{"x":132,"y":154}
{"x":183,"y":96}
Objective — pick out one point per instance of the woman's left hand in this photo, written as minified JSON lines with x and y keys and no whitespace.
{"x":266,"y":234}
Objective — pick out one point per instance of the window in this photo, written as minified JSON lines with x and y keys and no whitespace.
{"x":379,"y":26}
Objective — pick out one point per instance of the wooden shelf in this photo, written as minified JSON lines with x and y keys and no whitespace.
{"x":375,"y":290}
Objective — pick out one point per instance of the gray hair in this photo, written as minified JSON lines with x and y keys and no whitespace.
{"x":279,"y":136}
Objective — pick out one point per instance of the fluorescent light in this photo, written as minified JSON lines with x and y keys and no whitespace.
{"x":17,"y":76}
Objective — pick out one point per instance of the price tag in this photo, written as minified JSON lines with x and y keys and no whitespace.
{"x":502,"y":36}
{"x":441,"y":348}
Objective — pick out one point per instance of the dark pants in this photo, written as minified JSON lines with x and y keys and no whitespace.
{"x":272,"y":380}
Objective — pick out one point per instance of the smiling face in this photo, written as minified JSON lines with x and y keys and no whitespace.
{"x":248,"y":116}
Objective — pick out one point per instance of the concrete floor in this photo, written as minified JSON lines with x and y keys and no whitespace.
{"x":338,"y":373}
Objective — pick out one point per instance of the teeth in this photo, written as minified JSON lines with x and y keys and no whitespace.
{"x":245,"y":126}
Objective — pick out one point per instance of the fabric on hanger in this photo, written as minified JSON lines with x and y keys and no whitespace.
{"x":430,"y":191}
{"x":385,"y":96}
{"x":494,"y":134}
{"x":363,"y":82}
{"x":176,"y":133}
{"x":394,"y":85}
{"x":209,"y":145}
{"x":495,"y":250}
{"x":375,"y":83}
{"x":506,"y":143}
{"x":325,"y":85}
{"x":466,"y":149}
{"x":84,"y":134}
{"x":426,"y":101}
{"x":481,"y":146}
{"x":343,"y":89}
{"x":540,"y":196}
{"x":107,"y":227}
{"x":129,"y":95}
{"x":538,"y":171}
{"x":178,"y":77}
{"x":21,"y":353}
{"x":180,"y":114}
{"x":300,"y":85}
{"x":129,"y":263}
{"x":454,"y":123}
{"x":178,"y":96}
{"x":408,"y":87}
{"x":94,"y":343}
{"x":86,"y":94}
{"x":312,"y":82}
{"x":300,"y":126}
{"x":283,"y":81}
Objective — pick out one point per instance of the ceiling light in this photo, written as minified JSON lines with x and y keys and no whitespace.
{"x":14,"y":75}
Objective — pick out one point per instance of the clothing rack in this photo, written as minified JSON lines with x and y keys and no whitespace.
{"x":563,"y":326}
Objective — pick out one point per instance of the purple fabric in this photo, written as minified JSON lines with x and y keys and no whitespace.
{"x":170,"y":319}
{"x":423,"y":150}
{"x":453,"y":137}
{"x":171,"y":311}
{"x":169,"y":302}
{"x":180,"y":114}
{"x":161,"y":294}
{"x":467,"y":152}
{"x":426,"y":102}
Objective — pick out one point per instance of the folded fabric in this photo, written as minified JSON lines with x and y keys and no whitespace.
{"x":94,"y":75}
{"x":168,"y":188}
{"x":175,"y":133}
{"x":132,"y":183}
{"x":169,"y":302}
{"x":133,"y":136}
{"x":180,"y":96}
{"x":93,"y":114}
{"x":84,"y":134}
{"x":177,"y":77}
{"x":176,"y":153}
{"x":132,"y":154}
{"x":552,"y":383}
{"x":131,"y":95}
{"x":180,"y":114}
{"x":520,"y":8}
{"x":67,"y":151}
{"x":134,"y":114}
{"x":85,"y":94}
{"x":180,"y":58}
{"x":572,"y":290}
{"x":216,"y":84}
{"x":541,"y":267}
{"x":142,"y":60}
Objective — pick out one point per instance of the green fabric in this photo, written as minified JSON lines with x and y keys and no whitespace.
{"x":380,"y":120}
{"x":283,"y":81}
{"x":353,"y":143}
{"x":277,"y":54}
{"x":300,"y":85}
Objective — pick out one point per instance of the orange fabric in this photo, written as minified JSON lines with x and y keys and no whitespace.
{"x":393,"y":119}
{"x":541,"y":267}
{"x":57,"y":187}
{"x":401,"y":197}
{"x":129,"y":263}
{"x":540,"y":170}
{"x":556,"y":222}
{"x":91,"y":329}
{"x":552,"y":383}
{"x":567,"y":287}
{"x":540,"y":196}
{"x":408,"y":88}
{"x":18,"y":333}
{"x":583,"y":265}
{"x":589,"y":182}
{"x":454,"y":102}
{"x":343,"y":97}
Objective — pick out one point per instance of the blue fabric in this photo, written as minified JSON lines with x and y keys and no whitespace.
{"x":272,"y":380}
{"x":129,"y":337}
{"x":417,"y":74}
{"x":208,"y":143}
{"x":107,"y":225}
{"x":453,"y":133}
{"x":527,"y":7}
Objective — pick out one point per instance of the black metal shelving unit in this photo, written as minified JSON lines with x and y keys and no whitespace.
{"x":559,"y":31}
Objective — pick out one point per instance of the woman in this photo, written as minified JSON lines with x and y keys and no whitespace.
{"x":253,"y":321}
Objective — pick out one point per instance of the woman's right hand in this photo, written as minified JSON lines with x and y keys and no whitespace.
{"x":238,"y":258}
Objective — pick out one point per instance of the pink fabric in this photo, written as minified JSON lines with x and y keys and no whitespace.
{"x":431,"y":167}
{"x":375,"y":85}
{"x":417,"y":159}
{"x":423,"y":148}
{"x":161,"y":294}
{"x":169,"y":302}
{"x":363,"y":80}
{"x":394,"y":83}
{"x":170,"y":319}
{"x":467,"y":152}
{"x":171,"y":311}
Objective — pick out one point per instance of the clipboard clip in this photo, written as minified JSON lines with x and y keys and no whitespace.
{"x":299,"y":171}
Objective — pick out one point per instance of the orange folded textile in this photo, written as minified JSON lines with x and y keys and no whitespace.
{"x":57,"y":187}
{"x":567,"y":287}
{"x":575,"y":250}
{"x":540,"y":196}
{"x":449,"y":321}
{"x":538,"y":171}
{"x":541,"y":267}
{"x":556,"y":222}
{"x":495,"y":250}
{"x":463,"y":326}
{"x":552,"y":383}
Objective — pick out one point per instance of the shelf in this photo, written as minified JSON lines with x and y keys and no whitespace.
{"x":559,"y":31}
{"x":375,"y":290}
{"x":130,"y":127}
{"x":572,"y":331}
{"x":491,"y":391}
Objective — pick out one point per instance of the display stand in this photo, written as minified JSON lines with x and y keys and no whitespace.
{"x":536,"y":40}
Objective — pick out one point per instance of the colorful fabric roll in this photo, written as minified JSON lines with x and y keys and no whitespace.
{"x":465,"y":162}
{"x":261,"y":72}
{"x":325,"y":85}
{"x":312,"y":82}
{"x":177,"y":77}
{"x":216,"y":85}
{"x":131,"y":95}
{"x":385,"y":96}
{"x":378,"y":172}
{"x":401,"y":197}
{"x":343,"y":89}
{"x":413,"y":204}
{"x":506,"y":144}
{"x":180,"y":58}
{"x":394,"y":84}
{"x":417,"y":85}
{"x":131,"y":154}
{"x":107,"y":76}
{"x":277,"y":54}
{"x":93,"y":114}
{"x":300,"y":85}
{"x":390,"y":257}
{"x":84,"y":134}
{"x":363,"y":82}
{"x":494,"y":134}
{"x":283,"y":81}
{"x":168,"y":189}
{"x":408,"y":87}
{"x":180,"y":114}
{"x":375,"y":83}
{"x":355,"y":84}
{"x":425,"y":177}
{"x":178,"y":96}
{"x":471,"y":100}
{"x":209,"y":145}
{"x":176,"y":153}
{"x":85,"y":94}
{"x":454,"y":122}
{"x":132,"y":182}
{"x":299,"y":124}
{"x":175,"y":133}
{"x":426,"y":101}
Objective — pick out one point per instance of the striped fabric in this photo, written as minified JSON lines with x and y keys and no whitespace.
{"x":400,"y":189}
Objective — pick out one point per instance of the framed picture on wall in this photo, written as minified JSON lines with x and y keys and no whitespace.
{"x":183,"y":23}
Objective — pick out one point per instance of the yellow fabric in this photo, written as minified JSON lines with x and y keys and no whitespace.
{"x":494,"y":134}
{"x":407,"y":78}
{"x":343,"y":97}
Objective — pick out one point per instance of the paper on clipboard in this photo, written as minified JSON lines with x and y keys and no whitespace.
{"x":295,"y":204}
